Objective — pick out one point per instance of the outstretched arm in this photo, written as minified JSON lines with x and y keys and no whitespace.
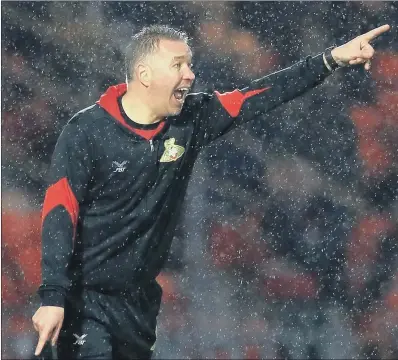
{"x":222,"y":112}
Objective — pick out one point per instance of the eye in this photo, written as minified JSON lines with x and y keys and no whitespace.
{"x":177,"y":66}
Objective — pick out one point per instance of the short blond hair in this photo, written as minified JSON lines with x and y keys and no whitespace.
{"x":146,"y":42}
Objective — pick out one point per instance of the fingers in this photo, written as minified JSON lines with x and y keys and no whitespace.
{"x":47,"y":321}
{"x":56,"y":334}
{"x":34,"y":323}
{"x":373,"y":34}
{"x":42,"y":341}
{"x":361,"y":61}
{"x":367,"y":51}
{"x":356,"y":61}
{"x":36,"y":327}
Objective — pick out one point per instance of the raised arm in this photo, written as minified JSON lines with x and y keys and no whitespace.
{"x":224,"y":111}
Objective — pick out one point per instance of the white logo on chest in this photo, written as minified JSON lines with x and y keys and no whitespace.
{"x":79,"y":339}
{"x":120,"y":167}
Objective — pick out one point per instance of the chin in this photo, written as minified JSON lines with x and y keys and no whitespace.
{"x":175,"y":111}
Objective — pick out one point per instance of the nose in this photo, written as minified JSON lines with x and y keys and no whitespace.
{"x":189,"y":75}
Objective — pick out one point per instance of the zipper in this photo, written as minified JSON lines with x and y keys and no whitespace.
{"x":151,"y":144}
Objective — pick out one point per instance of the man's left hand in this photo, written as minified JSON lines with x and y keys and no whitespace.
{"x":358,"y":50}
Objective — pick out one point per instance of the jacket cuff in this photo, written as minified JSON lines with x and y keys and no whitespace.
{"x":319,"y":67}
{"x":328,"y":59}
{"x":52,"y":298}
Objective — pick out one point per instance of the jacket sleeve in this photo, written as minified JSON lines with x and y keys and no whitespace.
{"x":222,"y":112}
{"x":69,"y":175}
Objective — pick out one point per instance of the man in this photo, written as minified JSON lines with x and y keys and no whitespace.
{"x":118,"y":177}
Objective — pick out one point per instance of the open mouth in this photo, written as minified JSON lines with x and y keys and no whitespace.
{"x":181,"y":93}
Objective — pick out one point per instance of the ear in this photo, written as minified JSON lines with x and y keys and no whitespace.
{"x":143,"y":74}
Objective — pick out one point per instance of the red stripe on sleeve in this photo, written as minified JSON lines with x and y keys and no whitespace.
{"x":233,"y":101}
{"x":61,"y":193}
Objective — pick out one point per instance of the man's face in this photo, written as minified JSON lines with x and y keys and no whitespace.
{"x":171,"y":76}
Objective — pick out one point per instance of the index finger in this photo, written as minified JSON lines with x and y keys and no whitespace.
{"x":42,"y":341}
{"x":373,"y":34}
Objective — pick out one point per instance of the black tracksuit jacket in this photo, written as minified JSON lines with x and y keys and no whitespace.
{"x":114,"y":197}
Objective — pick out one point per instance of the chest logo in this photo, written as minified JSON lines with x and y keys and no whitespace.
{"x":79,"y":339}
{"x":172,"y":152}
{"x":119,"y":167}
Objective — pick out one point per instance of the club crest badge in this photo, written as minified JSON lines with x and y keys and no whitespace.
{"x":172,"y":152}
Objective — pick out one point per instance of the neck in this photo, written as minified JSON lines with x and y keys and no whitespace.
{"x":136,"y":106}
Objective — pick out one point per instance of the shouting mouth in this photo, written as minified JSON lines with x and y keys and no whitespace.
{"x":180,"y":94}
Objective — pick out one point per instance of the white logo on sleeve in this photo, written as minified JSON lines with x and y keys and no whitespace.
{"x":79,"y":339}
{"x":120,"y":167}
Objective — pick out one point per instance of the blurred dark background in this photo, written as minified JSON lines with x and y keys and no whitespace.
{"x":288,"y":244}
